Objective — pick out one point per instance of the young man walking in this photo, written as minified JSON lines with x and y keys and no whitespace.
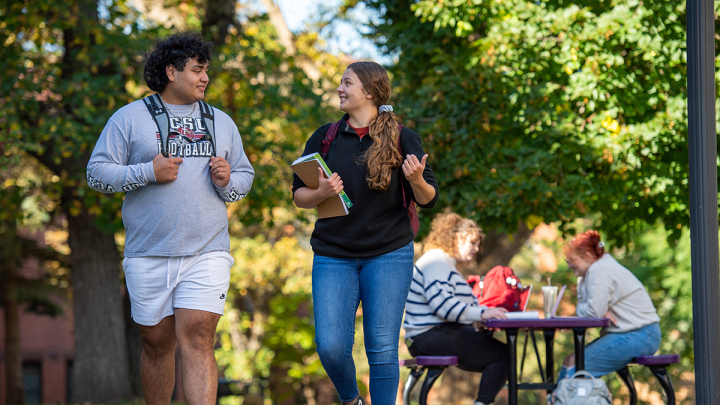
{"x":179,"y":161}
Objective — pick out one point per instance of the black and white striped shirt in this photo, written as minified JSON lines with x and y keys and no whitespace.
{"x":438,"y":294}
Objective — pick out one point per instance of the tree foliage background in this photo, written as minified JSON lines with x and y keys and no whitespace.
{"x":555,"y":110}
{"x":532,"y":111}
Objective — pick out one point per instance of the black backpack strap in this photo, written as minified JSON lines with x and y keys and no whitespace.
{"x":208,"y":117}
{"x":159,"y":114}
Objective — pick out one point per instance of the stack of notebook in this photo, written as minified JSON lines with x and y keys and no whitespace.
{"x":306,"y":168}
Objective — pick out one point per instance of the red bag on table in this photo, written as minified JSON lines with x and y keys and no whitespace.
{"x":499,"y":288}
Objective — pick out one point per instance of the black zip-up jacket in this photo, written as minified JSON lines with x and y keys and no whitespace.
{"x":377,"y":222}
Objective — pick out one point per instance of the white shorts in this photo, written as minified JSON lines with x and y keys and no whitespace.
{"x":158,"y":285}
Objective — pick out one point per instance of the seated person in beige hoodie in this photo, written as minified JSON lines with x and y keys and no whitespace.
{"x":608,"y":289}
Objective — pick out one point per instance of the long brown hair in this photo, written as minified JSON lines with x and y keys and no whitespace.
{"x":384,"y":155}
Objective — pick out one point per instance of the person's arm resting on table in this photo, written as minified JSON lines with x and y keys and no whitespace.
{"x":441,"y":298}
{"x":598,"y":298}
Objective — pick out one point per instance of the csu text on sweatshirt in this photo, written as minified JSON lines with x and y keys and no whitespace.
{"x":183,"y":217}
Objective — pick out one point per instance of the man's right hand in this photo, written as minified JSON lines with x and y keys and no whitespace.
{"x":329,"y":187}
{"x":166,"y":168}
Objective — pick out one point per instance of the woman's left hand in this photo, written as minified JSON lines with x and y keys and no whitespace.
{"x":611,"y":317}
{"x":414,"y":168}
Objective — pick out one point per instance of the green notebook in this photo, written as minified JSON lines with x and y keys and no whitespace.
{"x":316,"y":156}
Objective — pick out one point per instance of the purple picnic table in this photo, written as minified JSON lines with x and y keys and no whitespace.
{"x":548,"y":326}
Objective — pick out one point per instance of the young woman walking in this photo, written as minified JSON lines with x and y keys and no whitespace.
{"x":367,"y":255}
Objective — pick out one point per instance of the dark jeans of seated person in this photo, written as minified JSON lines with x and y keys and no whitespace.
{"x":476,"y":351}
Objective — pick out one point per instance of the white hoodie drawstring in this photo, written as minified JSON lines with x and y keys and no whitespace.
{"x":177,"y":280}
{"x":168,"y":274}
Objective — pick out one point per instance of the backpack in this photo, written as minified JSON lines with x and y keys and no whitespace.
{"x":499,"y":288}
{"x":572,"y":391}
{"x":412,"y":211}
{"x":158,"y":111}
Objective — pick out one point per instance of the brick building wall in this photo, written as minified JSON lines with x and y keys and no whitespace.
{"x":46,"y":342}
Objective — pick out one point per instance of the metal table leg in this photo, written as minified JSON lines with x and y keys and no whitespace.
{"x":549,"y":335}
{"x":537,"y":356}
{"x":579,"y":348}
{"x":512,"y":365}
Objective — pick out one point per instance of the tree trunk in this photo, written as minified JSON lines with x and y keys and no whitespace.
{"x":13,"y":350}
{"x":219,"y":15}
{"x":499,"y":248}
{"x":101,"y":366}
{"x":101,"y":369}
{"x":134,"y":345}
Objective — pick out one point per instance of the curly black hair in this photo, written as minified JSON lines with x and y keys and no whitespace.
{"x":175,"y":50}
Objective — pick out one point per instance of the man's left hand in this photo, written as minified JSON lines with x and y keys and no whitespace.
{"x":219,"y":171}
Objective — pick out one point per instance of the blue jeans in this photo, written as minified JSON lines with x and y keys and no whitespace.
{"x":615,"y":350}
{"x":382,"y":284}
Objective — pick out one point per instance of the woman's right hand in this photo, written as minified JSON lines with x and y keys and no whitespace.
{"x":329,"y":187}
{"x":494,"y":313}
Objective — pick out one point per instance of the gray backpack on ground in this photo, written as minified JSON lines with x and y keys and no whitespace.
{"x":581,"y":391}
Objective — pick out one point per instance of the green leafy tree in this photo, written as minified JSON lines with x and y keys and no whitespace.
{"x":546,"y":110}
{"x":69,"y":66}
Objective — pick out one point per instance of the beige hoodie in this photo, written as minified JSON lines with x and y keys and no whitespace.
{"x":609,"y":286}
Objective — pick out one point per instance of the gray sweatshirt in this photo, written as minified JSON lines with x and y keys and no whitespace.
{"x":609,"y":286}
{"x":186,"y":216}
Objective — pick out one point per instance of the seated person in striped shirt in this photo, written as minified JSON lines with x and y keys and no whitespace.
{"x":442,"y":317}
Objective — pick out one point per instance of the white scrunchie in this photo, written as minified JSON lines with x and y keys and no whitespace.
{"x":601,"y":244}
{"x":384,"y":108}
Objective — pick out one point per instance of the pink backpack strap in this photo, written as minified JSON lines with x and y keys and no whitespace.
{"x":329,"y":138}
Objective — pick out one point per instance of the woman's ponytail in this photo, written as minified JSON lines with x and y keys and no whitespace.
{"x":384,"y":154}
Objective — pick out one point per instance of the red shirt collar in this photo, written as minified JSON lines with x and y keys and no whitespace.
{"x":360,"y":131}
